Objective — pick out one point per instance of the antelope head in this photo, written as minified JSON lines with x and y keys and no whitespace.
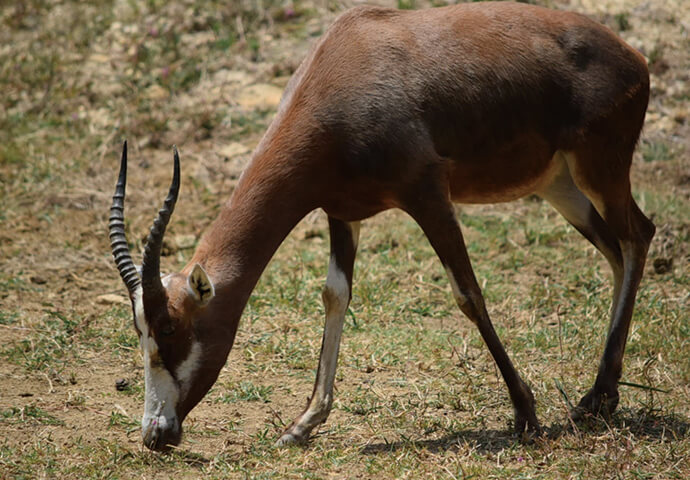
{"x":169,"y":313}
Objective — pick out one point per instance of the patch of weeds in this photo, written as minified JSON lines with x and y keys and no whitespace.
{"x":426,"y":310}
{"x":76,"y":400}
{"x":36,"y":460}
{"x":29,"y":413}
{"x":9,"y":461}
{"x":250,"y":123}
{"x":11,"y":154}
{"x":622,"y":21}
{"x":49,"y":348}
{"x":655,"y":151}
{"x":494,"y":232}
{"x":292,"y":13}
{"x":126,"y":341}
{"x":227,"y":40}
{"x":120,"y":420}
{"x":254,"y":48}
{"x":14,"y":284}
{"x":38,"y":74}
{"x":184,"y":77}
{"x":8,"y":318}
{"x":538,"y":237}
{"x":262,"y":446}
{"x":122,"y":336}
{"x":407,"y":4}
{"x":248,"y":392}
{"x":287,"y":351}
{"x":361,"y":402}
{"x":655,"y":60}
{"x":265,"y":437}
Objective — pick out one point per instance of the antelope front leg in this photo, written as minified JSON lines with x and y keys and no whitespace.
{"x":336,"y":298}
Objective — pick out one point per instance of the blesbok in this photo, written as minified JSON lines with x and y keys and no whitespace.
{"x":415,"y":110}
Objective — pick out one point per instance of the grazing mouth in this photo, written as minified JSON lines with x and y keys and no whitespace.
{"x":162,"y":434}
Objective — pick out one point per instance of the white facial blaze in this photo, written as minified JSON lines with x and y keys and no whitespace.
{"x":185,"y":371}
{"x":161,"y":391}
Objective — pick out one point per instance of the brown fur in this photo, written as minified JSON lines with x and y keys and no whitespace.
{"x":409,"y":110}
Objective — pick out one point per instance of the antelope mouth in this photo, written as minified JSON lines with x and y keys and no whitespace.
{"x":161,"y":434}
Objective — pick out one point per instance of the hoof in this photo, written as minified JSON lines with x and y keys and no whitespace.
{"x":292,"y":437}
{"x":527,"y":427}
{"x":288,"y":439}
{"x":596,"y":404}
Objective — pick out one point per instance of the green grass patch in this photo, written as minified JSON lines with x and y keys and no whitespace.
{"x":29,"y":414}
{"x":246,"y":391}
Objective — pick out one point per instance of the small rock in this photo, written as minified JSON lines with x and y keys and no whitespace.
{"x":662,"y":265}
{"x":121,"y":384}
{"x":110,"y":298}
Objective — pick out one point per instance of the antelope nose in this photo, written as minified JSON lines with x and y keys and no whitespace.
{"x":160,"y":434}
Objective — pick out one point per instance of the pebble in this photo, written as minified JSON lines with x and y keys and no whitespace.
{"x":121,"y":384}
{"x":110,"y":298}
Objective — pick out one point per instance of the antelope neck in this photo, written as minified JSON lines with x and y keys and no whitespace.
{"x":241,"y":241}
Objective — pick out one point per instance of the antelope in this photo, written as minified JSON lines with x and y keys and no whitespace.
{"x":414,"y":110}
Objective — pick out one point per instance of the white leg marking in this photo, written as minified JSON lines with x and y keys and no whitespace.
{"x":564,"y":195}
{"x":336,"y":297}
{"x":581,"y":182}
{"x":460,"y":298}
{"x":354,"y":226}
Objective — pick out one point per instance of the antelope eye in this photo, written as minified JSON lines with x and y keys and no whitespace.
{"x":167,"y":330}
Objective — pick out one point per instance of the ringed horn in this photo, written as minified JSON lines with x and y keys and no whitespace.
{"x":150,"y":277}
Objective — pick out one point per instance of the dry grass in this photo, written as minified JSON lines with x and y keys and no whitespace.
{"x":418,"y":395}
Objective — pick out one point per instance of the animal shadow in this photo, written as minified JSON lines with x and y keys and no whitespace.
{"x":642,"y":424}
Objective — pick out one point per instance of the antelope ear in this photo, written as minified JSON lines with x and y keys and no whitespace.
{"x":200,"y":285}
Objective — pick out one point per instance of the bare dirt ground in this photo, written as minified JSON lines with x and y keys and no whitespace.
{"x":76,"y":79}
